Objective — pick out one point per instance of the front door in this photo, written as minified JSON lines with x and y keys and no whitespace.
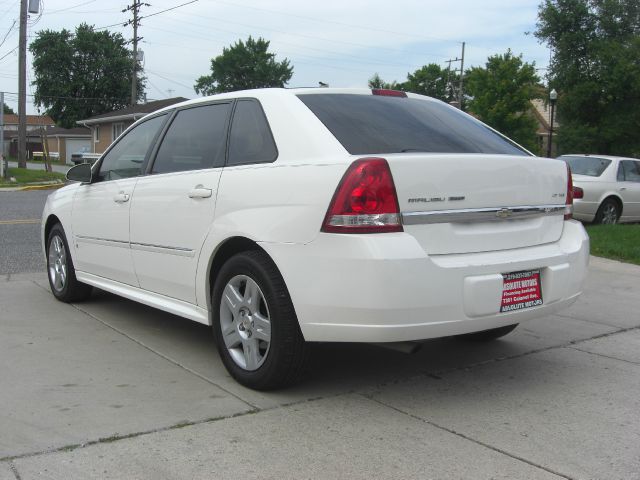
{"x":100,"y":217}
{"x":172,"y":208}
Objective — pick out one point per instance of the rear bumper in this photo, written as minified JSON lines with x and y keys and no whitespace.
{"x":384,"y":288}
{"x":584,"y":211}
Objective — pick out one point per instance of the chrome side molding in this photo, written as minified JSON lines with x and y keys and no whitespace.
{"x":474,"y":215}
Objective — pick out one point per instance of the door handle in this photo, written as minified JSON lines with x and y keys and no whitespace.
{"x":200,"y":192}
{"x":622,"y":189}
{"x":121,"y":197}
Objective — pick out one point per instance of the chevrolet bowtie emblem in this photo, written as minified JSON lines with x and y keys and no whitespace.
{"x":503,"y":213}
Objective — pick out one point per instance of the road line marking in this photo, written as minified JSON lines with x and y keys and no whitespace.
{"x":21,"y":221}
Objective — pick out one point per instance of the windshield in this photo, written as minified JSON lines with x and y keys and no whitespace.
{"x":373,"y":124}
{"x":591,"y":166}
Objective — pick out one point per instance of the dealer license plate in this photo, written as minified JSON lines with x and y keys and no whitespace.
{"x":521,"y":290}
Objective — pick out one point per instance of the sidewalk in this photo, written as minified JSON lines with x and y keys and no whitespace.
{"x":112,"y":389}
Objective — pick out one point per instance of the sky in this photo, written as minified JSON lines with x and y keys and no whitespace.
{"x":339,"y":42}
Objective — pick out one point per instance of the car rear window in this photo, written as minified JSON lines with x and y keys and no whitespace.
{"x":591,"y":166}
{"x":373,"y":124}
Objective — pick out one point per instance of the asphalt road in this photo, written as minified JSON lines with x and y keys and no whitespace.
{"x":20,"y":249}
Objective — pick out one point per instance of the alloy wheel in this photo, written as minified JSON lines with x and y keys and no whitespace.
{"x":57,"y":263}
{"x":609,"y":214}
{"x":245,"y":322}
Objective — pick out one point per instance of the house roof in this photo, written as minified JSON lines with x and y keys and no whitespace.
{"x":68,"y":132}
{"x":132,"y":112}
{"x":12,"y":119}
{"x":543,"y":113}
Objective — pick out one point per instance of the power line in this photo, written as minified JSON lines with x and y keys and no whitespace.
{"x":71,"y":8}
{"x":8,"y":32}
{"x":125,"y":23}
{"x":169,"y":9}
{"x":350,"y":25}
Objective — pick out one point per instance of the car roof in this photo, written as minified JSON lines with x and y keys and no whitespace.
{"x":271,"y":92}
{"x":589,"y":155}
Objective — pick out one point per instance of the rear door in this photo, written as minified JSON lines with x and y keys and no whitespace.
{"x":173,"y":207}
{"x":629,"y":189}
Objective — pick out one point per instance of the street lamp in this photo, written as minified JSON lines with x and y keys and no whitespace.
{"x":553,"y":97}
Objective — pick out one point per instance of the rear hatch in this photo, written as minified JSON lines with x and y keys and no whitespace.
{"x":462,"y":187}
{"x":471,"y":202}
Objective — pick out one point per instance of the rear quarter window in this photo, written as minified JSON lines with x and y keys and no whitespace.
{"x":372,"y":124}
{"x":250,"y":140}
{"x":590,"y":166}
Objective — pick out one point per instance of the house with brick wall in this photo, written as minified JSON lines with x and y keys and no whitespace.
{"x":34,"y":124}
{"x":106,"y":127}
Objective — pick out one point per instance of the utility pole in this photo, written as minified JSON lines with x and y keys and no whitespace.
{"x":4,"y":167}
{"x":460,"y":85}
{"x":135,"y":9}
{"x":22,"y":87}
{"x":460,"y":92}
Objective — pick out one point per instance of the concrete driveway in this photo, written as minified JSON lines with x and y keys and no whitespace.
{"x":109,"y":389}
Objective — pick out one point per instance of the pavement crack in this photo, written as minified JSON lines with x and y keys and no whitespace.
{"x":470,"y":439}
{"x":605,"y":356}
{"x":14,"y":469}
{"x":166,"y":357}
{"x":117,"y":437}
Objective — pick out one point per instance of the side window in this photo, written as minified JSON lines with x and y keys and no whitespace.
{"x":631,"y":170}
{"x":251,"y":140}
{"x":195,"y":140}
{"x":620,"y":175}
{"x":125,"y":159}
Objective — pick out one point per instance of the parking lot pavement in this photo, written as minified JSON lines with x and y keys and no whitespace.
{"x":112,"y":389}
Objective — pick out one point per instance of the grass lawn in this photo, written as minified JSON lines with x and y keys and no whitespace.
{"x":617,"y":242}
{"x":24,"y":176}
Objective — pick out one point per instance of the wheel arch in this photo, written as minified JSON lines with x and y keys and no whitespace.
{"x":223,"y":252}
{"x":615,"y":198}
{"x":51,"y":221}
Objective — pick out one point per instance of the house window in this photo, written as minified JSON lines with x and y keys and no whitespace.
{"x":96,"y":134}
{"x":117,"y":129}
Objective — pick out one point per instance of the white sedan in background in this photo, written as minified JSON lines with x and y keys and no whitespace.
{"x":606,"y":188}
{"x":281,"y":217}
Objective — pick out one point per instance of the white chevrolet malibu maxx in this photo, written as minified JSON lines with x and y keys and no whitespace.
{"x":281,"y":217}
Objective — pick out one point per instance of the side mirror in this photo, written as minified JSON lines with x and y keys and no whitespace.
{"x":80,"y":173}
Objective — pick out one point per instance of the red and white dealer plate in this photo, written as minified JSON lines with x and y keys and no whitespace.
{"x":521,"y":290}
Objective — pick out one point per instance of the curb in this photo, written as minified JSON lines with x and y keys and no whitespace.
{"x":49,"y":186}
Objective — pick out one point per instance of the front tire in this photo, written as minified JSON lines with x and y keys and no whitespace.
{"x":608,"y":213}
{"x":60,"y":271}
{"x":255,"y":325}
{"x":488,"y":335}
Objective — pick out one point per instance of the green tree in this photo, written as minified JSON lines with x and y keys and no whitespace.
{"x":595,"y":67}
{"x":433,"y":81}
{"x":7,"y":109}
{"x":242,"y":66}
{"x":377,"y":82}
{"x":78,"y":75}
{"x":500,"y":96}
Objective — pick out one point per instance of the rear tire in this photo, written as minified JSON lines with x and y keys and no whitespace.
{"x":255,"y":325}
{"x":60,"y":271}
{"x":488,"y":335}
{"x":608,"y":213}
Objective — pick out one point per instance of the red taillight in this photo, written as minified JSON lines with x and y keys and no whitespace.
{"x":578,"y":193}
{"x":386,"y":92}
{"x":365,"y":200}
{"x":568,"y":209}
